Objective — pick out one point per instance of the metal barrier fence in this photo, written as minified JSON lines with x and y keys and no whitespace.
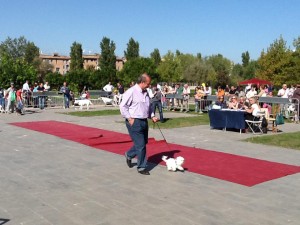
{"x":287,"y":106}
{"x":53,"y":99}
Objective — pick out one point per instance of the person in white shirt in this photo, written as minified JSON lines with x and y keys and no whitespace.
{"x":46,"y":86}
{"x":26,"y":87}
{"x":108,"y":88}
{"x":283,"y":92}
{"x":251,"y":93}
{"x":186,"y":95}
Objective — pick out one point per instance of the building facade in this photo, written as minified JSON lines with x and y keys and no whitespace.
{"x":61,"y":64}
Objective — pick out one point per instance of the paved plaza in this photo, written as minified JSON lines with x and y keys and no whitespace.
{"x":46,"y":180}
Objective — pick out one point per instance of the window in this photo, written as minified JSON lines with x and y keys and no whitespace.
{"x":57,"y":69}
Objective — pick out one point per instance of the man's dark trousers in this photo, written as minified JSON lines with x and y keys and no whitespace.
{"x":139,"y":135}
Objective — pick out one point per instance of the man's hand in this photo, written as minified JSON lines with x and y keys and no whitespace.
{"x":131,"y":121}
{"x":154,"y":119}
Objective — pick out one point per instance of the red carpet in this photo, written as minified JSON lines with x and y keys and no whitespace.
{"x":237,"y":169}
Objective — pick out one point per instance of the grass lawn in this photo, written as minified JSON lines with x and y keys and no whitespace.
{"x":196,"y":120}
{"x":286,"y":140}
{"x":107,"y":112}
{"x":183,"y":122}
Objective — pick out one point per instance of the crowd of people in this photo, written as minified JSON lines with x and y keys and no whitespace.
{"x":13,"y":99}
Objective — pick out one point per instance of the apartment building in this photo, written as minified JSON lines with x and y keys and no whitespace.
{"x":61,"y":64}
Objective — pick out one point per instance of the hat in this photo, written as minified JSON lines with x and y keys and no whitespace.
{"x":12,"y":83}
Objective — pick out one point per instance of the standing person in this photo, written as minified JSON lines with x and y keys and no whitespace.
{"x":296,"y":95}
{"x":11,"y":98}
{"x":66,"y":91}
{"x":2,"y":100}
{"x":156,"y":103}
{"x":135,"y":108}
{"x":41,"y":90}
{"x":108,"y":88}
{"x":27,"y":92}
{"x":20,"y":106}
{"x":186,"y":96}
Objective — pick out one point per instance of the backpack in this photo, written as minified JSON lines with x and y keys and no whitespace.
{"x":279,"y":119}
{"x":264,"y":122}
{"x":13,"y":97}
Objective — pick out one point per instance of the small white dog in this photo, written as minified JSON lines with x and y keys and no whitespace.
{"x":82,"y":102}
{"x":174,"y":164}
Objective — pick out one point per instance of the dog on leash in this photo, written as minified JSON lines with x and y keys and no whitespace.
{"x":82,"y":102}
{"x":174,"y":164}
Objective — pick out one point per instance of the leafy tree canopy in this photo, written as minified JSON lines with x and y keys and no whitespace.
{"x":107,"y":61}
{"x":76,"y":57}
{"x":133,"y":49}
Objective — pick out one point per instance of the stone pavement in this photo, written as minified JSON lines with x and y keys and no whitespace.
{"x":47,"y":180}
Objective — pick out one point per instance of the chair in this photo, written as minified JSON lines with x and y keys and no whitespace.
{"x":255,"y":124}
{"x":270,"y":120}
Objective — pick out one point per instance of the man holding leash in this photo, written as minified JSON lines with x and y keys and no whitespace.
{"x":135,"y":108}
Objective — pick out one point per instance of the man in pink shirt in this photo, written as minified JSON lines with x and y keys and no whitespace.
{"x":135,"y":108}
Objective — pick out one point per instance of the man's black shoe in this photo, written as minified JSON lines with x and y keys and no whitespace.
{"x":128,"y":161}
{"x":144,"y":172}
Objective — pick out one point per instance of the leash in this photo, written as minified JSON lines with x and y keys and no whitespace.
{"x":162,"y":135}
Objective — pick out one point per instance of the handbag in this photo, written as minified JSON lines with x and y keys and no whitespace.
{"x":279,"y":119}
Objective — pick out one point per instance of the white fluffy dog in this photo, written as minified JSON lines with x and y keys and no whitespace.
{"x":174,"y":164}
{"x":82,"y":102}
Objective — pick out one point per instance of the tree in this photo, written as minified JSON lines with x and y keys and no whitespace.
{"x":44,"y":69}
{"x":107,"y":61}
{"x":155,"y":55}
{"x":222,"y":67}
{"x":14,"y":48}
{"x":78,"y":80}
{"x":200,"y":72}
{"x":55,"y":80}
{"x":132,"y":49}
{"x":32,"y":54}
{"x":274,"y":64}
{"x":169,"y":69}
{"x":76,"y":57}
{"x":245,"y":58}
{"x":18,"y":61}
{"x":250,"y":70}
{"x":135,"y":67}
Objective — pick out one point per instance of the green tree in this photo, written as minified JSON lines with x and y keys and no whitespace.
{"x":294,"y":70}
{"x":133,"y":50}
{"x":107,"y":62}
{"x":55,"y":80}
{"x":245,"y":58}
{"x":200,"y":72}
{"x":78,"y":80}
{"x":76,"y":57}
{"x":274,"y":64}
{"x":18,"y":61}
{"x":222,"y":67}
{"x":250,"y":70}
{"x":32,"y":54}
{"x":169,"y":69}
{"x":155,"y":55}
{"x":135,"y":67}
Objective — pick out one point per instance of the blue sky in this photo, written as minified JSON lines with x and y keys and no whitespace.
{"x":228,"y":27}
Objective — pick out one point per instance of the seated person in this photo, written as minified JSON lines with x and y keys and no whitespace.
{"x":233,"y":104}
{"x":220,"y":102}
{"x":252,"y":110}
{"x":241,"y":104}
